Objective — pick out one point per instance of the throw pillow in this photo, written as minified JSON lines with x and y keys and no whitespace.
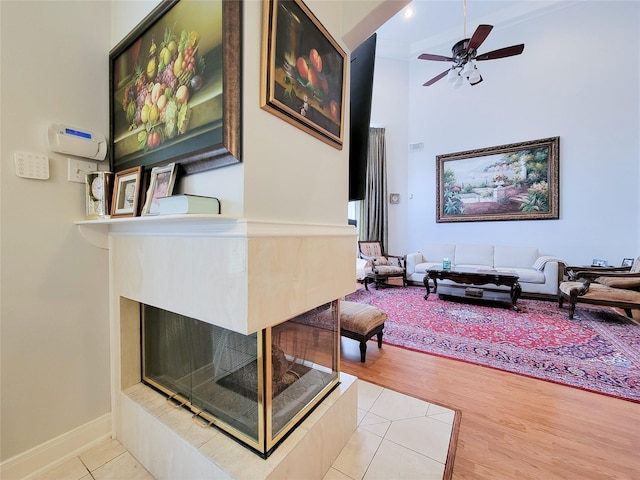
{"x":380,"y":261}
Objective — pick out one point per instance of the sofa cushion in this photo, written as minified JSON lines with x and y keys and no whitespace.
{"x":423,"y":267}
{"x":527,"y":275}
{"x":471,"y":267}
{"x":514,"y":257}
{"x":474,"y":254}
{"x":435,"y":252}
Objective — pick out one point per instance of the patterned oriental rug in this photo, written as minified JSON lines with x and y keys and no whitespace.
{"x":599,"y":350}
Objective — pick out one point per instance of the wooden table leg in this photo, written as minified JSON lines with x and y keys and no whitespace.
{"x":426,"y":285}
{"x":516,"y":290}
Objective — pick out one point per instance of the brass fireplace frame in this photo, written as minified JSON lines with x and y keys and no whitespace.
{"x":267,"y":440}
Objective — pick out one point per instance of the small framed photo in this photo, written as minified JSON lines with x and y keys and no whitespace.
{"x":627,"y":262}
{"x":126,"y":192}
{"x":599,"y":263}
{"x":160,"y":185}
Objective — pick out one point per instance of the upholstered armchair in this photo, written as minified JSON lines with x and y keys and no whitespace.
{"x":617,"y":287}
{"x":381,"y":266}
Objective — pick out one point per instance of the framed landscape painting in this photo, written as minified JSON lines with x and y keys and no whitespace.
{"x":175,"y":87}
{"x":519,"y":181}
{"x":303,"y":71}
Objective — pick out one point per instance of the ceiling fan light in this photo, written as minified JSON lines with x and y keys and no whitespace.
{"x":452,"y":76}
{"x":468,"y":69}
{"x":474,"y":77}
{"x":457,"y":83}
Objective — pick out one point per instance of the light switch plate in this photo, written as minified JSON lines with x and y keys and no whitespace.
{"x":79,"y":168}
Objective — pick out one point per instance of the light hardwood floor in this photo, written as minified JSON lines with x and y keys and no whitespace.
{"x":512,"y":427}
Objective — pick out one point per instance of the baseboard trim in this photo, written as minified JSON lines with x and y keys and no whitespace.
{"x":56,"y":450}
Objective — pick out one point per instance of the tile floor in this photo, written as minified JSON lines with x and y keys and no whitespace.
{"x":398,"y":437}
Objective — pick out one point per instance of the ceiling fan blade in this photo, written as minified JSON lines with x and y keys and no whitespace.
{"x":502,"y":52}
{"x":436,"y":78}
{"x":479,"y":36}
{"x":437,"y":58}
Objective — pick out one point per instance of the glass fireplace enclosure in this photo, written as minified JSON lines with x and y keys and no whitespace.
{"x":255,"y":387}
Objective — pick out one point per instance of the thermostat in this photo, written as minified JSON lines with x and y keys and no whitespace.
{"x":77,"y":141}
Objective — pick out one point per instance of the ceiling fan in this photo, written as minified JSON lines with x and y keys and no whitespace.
{"x":465,"y":54}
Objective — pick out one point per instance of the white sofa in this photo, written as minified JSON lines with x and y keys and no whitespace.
{"x":539,"y":274}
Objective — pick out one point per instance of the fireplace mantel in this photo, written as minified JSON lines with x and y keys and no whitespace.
{"x":97,"y":232}
{"x":241,"y":274}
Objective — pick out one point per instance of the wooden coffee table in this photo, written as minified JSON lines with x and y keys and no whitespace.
{"x":476,"y":277}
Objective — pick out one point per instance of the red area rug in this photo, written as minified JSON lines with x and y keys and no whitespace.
{"x":598,"y":350}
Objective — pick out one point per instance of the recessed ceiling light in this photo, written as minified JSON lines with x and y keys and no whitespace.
{"x":408,"y":12}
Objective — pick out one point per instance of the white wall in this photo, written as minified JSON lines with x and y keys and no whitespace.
{"x":569,"y":82}
{"x":389,"y":77}
{"x":55,"y":330}
{"x":288,"y":174}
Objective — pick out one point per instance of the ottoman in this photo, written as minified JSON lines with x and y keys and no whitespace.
{"x":361,"y":322}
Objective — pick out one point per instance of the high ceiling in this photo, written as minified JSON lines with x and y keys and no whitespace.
{"x":438,"y":24}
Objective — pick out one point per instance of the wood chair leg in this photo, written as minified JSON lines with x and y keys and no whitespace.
{"x":363,"y":351}
{"x":379,"y":339}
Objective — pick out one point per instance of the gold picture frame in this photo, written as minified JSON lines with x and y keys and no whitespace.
{"x":518,"y":181}
{"x":303,"y":75}
{"x":126,"y":192}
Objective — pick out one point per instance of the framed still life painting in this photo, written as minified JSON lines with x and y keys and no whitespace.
{"x":175,"y":88}
{"x":303,"y":71}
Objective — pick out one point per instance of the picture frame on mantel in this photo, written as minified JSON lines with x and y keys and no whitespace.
{"x":303,"y":75}
{"x":518,"y":181}
{"x":160,"y":185}
{"x":126,"y":192}
{"x":175,"y":88}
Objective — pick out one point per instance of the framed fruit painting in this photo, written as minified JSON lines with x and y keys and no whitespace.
{"x":175,"y":87}
{"x":303,"y":71}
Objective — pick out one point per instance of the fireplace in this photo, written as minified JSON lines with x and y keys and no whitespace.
{"x":257,"y":387}
{"x":257,"y":284}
